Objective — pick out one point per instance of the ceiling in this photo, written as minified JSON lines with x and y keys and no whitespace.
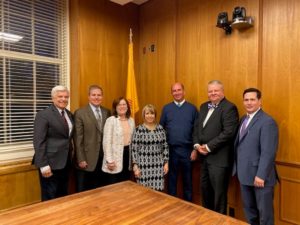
{"x":123,"y":2}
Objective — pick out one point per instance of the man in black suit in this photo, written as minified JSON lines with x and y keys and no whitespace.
{"x":213,"y":137}
{"x":53,"y":129}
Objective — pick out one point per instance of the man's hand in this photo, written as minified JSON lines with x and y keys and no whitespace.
{"x":202,"y":149}
{"x":83,"y":164}
{"x":258,"y":182}
{"x":193,"y":155}
{"x":47,"y":173}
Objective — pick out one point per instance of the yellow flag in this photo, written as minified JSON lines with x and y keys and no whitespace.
{"x":131,"y":93}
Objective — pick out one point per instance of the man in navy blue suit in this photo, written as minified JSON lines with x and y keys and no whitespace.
{"x":255,"y":150}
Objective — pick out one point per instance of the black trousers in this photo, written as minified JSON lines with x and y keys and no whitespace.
{"x":56,"y":185}
{"x":214,"y":186}
{"x":125,"y":173}
{"x":87,"y":180}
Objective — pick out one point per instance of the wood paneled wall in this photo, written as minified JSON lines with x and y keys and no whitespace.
{"x":19,"y":185}
{"x":264,"y":56}
{"x":99,"y":48}
{"x":189,"y":48}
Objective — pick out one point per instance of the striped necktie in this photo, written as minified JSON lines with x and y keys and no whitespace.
{"x":99,"y":118}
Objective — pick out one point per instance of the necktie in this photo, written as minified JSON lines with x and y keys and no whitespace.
{"x":212,"y":106}
{"x":99,"y":118}
{"x":244,"y":127}
{"x":65,"y":120}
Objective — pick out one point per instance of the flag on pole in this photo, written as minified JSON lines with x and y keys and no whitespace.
{"x":131,"y":93}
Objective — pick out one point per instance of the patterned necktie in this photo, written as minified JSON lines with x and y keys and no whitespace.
{"x":99,"y":118}
{"x":244,"y":127}
{"x":65,"y":120}
{"x":212,"y":106}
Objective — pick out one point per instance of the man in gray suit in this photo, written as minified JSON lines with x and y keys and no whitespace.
{"x":53,"y":128}
{"x":213,"y":138}
{"x":255,"y":150}
{"x":89,"y":123}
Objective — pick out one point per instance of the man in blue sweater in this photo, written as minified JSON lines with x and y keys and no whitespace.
{"x":178,"y":120}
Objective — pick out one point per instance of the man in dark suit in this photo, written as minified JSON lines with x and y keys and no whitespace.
{"x":53,"y":128}
{"x":89,"y":123}
{"x":213,"y":137}
{"x":255,"y":150}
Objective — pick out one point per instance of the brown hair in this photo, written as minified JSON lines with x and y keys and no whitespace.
{"x":114,"y":107}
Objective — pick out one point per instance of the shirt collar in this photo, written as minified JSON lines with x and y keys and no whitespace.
{"x":94,"y":107}
{"x":253,"y":114}
{"x":179,"y":103}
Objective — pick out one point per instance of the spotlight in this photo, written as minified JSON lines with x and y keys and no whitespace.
{"x":222,"y":22}
{"x":239,"y":19}
{"x":238,"y":13}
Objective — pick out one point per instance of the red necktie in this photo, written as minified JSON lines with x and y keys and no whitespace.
{"x":65,"y":120}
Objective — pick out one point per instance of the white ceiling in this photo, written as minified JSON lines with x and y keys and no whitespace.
{"x":123,"y":2}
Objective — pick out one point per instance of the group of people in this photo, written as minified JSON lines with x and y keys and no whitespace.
{"x":108,"y":148}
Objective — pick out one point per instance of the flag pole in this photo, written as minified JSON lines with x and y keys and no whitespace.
{"x":130,"y":35}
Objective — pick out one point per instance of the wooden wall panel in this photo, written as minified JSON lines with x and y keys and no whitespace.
{"x":157,"y":68}
{"x":189,"y":48}
{"x":99,"y":48}
{"x":19,"y":185}
{"x":287,"y":195}
{"x":281,"y":69}
{"x":205,"y":52}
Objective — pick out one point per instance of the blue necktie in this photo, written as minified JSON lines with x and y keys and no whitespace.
{"x":244,"y":127}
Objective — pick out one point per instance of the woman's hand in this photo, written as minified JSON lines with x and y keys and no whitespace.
{"x":166,"y":168}
{"x":136,"y":171}
{"x":111,"y":165}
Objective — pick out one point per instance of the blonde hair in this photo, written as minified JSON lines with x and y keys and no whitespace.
{"x":149,"y":108}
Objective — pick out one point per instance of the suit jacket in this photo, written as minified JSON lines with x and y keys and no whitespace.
{"x":88,"y":135}
{"x":255,"y":152}
{"x":218,"y":133}
{"x":51,"y":140}
{"x":113,"y":143}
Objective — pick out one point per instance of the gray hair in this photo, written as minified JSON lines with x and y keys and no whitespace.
{"x":58,"y":88}
{"x":216,"y":82}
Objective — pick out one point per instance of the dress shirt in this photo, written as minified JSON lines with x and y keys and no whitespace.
{"x":179,"y":104}
{"x":250,"y":118}
{"x":94,"y":108}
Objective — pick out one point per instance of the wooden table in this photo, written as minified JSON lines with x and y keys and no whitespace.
{"x":122,"y":203}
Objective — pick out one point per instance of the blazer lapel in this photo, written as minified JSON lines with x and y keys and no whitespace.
{"x":60,"y":119}
{"x":104,"y":116}
{"x":203,"y":115}
{"x":92,"y":116}
{"x":214,"y":113}
{"x":250,"y":125}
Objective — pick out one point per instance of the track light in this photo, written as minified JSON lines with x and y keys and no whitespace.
{"x":239,"y":20}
